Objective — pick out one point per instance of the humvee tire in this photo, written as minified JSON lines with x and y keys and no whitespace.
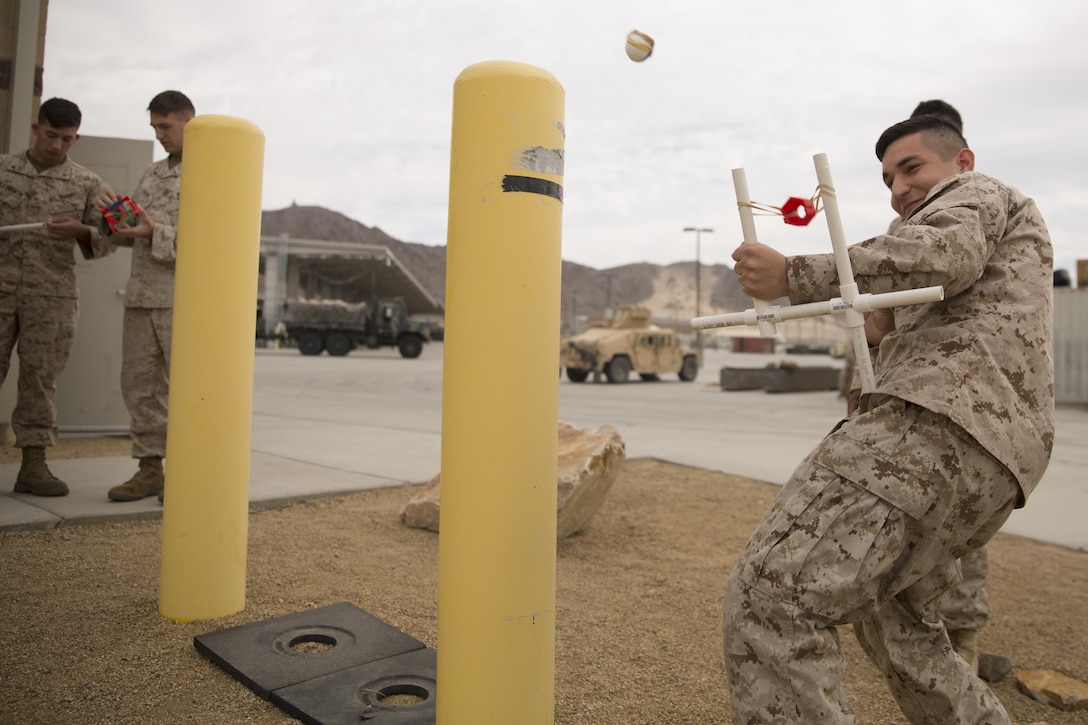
{"x":618,"y":369}
{"x":690,"y":369}
{"x":577,"y":375}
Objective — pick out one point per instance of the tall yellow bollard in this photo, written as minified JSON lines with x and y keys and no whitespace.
{"x":496,"y":568}
{"x":205,"y":517}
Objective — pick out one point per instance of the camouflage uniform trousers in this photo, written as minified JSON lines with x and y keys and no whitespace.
{"x":829,"y":552}
{"x":45,"y":329}
{"x":145,"y":377}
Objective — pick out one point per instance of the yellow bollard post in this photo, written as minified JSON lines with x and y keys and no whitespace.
{"x":496,"y":567}
{"x":205,"y":517}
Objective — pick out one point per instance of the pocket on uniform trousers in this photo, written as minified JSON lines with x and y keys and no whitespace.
{"x":892,"y":452}
{"x":826,"y":547}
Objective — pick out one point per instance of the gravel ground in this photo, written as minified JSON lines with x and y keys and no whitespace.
{"x":638,"y":607}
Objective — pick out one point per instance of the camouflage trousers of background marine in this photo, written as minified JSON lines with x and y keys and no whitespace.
{"x":45,"y":329}
{"x":145,"y":377}
{"x":867,"y":531}
{"x":968,"y":605}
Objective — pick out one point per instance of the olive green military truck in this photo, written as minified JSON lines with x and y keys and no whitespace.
{"x":625,"y":342}
{"x":339,"y":327}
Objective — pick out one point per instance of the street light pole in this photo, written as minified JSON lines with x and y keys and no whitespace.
{"x":698,"y":295}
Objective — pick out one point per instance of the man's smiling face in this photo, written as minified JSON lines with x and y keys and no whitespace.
{"x":911,"y":168}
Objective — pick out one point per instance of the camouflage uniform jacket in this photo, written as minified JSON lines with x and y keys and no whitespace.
{"x":30,"y":262}
{"x":151,"y":281}
{"x":982,"y":356}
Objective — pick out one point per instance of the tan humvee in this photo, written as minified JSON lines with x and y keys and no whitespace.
{"x":627,"y":341}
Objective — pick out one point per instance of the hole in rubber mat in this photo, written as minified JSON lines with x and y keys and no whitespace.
{"x":309,"y":641}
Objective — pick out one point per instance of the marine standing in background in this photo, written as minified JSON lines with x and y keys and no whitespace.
{"x":38,"y":294}
{"x":149,"y":299}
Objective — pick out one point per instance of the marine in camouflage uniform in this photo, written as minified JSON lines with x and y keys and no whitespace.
{"x":967,"y":609}
{"x":149,"y":300}
{"x":38,"y":293}
{"x":956,"y":434}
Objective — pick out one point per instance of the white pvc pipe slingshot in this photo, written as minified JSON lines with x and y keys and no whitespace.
{"x":850,"y":303}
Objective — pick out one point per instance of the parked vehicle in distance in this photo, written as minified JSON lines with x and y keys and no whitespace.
{"x":339,"y":327}
{"x":625,"y":342}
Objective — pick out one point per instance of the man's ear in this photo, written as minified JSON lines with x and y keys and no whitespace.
{"x":965,"y":160}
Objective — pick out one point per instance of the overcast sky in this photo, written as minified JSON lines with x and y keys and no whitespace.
{"x":354,"y":98}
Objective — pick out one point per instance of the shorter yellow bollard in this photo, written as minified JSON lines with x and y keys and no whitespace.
{"x":205,"y":516}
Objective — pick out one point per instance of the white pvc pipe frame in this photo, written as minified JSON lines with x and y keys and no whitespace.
{"x":22,"y":227}
{"x":852,"y":304}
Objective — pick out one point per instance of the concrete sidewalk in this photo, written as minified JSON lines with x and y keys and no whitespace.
{"x":335,"y":425}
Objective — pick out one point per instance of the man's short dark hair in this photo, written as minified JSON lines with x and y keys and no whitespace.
{"x":940,"y":135}
{"x":171,"y":102}
{"x":937,"y":107}
{"x":60,"y":113}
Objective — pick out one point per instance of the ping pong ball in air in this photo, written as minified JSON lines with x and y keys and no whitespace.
{"x":639,"y":46}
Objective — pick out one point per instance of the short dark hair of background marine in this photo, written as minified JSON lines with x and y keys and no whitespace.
{"x":169,"y":102}
{"x":942,"y":109}
{"x":940,"y":135}
{"x":60,"y":113}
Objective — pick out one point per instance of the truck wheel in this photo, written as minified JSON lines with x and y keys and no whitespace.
{"x":338,"y":344}
{"x":618,"y":370}
{"x":410,"y":346}
{"x":577,"y":375}
{"x":311,"y":343}
{"x":689,"y":369}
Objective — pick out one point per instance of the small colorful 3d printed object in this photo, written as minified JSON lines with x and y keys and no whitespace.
{"x":121,"y":213}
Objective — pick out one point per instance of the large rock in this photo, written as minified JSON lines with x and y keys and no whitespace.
{"x":1054,"y":688}
{"x":588,"y":463}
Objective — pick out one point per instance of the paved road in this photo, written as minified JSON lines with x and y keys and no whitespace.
{"x":372,"y":419}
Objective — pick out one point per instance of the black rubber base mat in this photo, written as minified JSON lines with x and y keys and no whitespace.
{"x":330,"y":665}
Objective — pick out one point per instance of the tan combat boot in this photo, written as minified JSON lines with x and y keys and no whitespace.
{"x":148,"y":481}
{"x":965,"y":642}
{"x":34,"y":476}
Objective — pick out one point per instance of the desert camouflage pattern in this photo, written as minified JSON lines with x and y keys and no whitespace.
{"x":983,"y":355}
{"x":31,"y":263}
{"x":968,"y":605}
{"x":149,"y":303}
{"x":831,"y":550}
{"x":145,"y":377}
{"x":38,"y":291}
{"x":45,"y":328}
{"x":870,"y":527}
{"x":151,"y":281}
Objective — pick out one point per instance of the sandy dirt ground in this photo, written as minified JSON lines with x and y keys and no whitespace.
{"x":638,"y":606}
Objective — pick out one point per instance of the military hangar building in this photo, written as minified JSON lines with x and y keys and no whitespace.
{"x":309,"y":269}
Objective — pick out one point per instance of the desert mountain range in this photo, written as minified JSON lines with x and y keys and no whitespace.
{"x":668,"y":291}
